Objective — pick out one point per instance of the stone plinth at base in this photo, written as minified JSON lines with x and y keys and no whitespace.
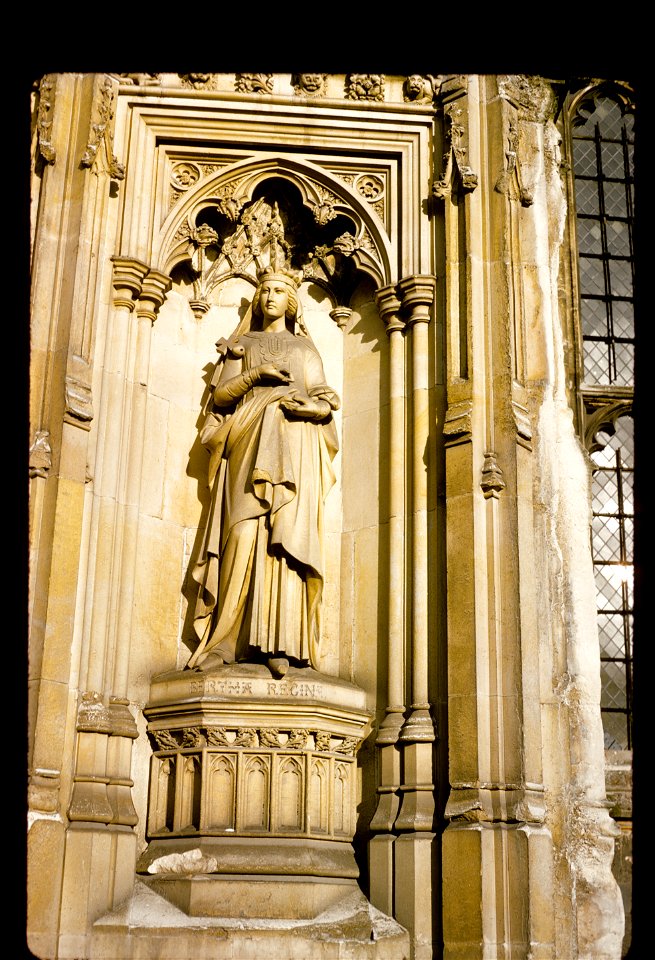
{"x":253,"y":791}
{"x":276,"y":897}
{"x":149,"y":927}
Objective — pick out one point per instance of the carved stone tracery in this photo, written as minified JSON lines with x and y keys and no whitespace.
{"x":305,"y":227}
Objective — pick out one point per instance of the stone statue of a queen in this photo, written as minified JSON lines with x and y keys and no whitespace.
{"x":270,"y":431}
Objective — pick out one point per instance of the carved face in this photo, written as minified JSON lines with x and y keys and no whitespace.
{"x":312,"y":82}
{"x":274,"y":299}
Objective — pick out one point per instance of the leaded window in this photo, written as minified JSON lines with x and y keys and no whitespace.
{"x":603,"y":147}
{"x":600,"y":146}
{"x":612,"y":541}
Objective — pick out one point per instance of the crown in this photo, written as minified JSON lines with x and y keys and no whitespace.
{"x":287,"y":276}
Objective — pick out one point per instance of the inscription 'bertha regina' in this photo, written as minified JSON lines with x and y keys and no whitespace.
{"x":255,"y":688}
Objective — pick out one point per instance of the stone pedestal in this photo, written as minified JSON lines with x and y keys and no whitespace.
{"x":253,"y":791}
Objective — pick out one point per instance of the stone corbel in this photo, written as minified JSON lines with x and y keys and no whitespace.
{"x":47,"y":91}
{"x":153,"y":293}
{"x":492,"y":481}
{"x":79,"y":405}
{"x":100,"y":140}
{"x":40,"y":459}
{"x":341,"y":316}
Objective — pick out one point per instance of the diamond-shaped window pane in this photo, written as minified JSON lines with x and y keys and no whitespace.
{"x":623,"y":319}
{"x":611,"y":635}
{"x":629,"y":534}
{"x":624,"y":439}
{"x":605,"y":538}
{"x":613,"y":685}
{"x":605,"y":492}
{"x":592,"y":279}
{"x":596,"y":362}
{"x":615,"y":727}
{"x":594,"y":318}
{"x":584,"y":157}
{"x":625,"y":363}
{"x":618,"y":238}
{"x":611,"y":159}
{"x":589,"y":236}
{"x":586,"y":196}
{"x":628,"y":493}
{"x":621,"y":278}
{"x":609,"y":587}
{"x":616,"y":204}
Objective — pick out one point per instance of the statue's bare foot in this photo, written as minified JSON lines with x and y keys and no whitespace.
{"x":278,"y":666}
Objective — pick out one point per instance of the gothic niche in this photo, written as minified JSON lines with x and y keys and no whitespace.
{"x":251,"y":740}
{"x":236,"y":236}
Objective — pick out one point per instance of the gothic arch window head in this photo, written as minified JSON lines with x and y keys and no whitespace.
{"x":602,"y":142}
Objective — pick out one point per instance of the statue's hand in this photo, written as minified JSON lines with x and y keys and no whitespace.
{"x":268,"y":371}
{"x":305,"y":408}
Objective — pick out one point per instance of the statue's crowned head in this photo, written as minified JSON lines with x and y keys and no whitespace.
{"x":290,"y":280}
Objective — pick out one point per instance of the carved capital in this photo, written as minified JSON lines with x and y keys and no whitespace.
{"x":417,"y":294}
{"x":389,"y":305}
{"x":127,"y":280}
{"x":153,"y":293}
{"x":92,"y":715}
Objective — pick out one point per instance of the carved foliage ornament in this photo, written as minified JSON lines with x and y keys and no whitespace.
{"x":198,"y":81}
{"x":252,"y":738}
{"x":253,"y":83}
{"x":101,"y":132}
{"x":47,"y":89}
{"x":455,"y":156}
{"x":365,"y":86}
